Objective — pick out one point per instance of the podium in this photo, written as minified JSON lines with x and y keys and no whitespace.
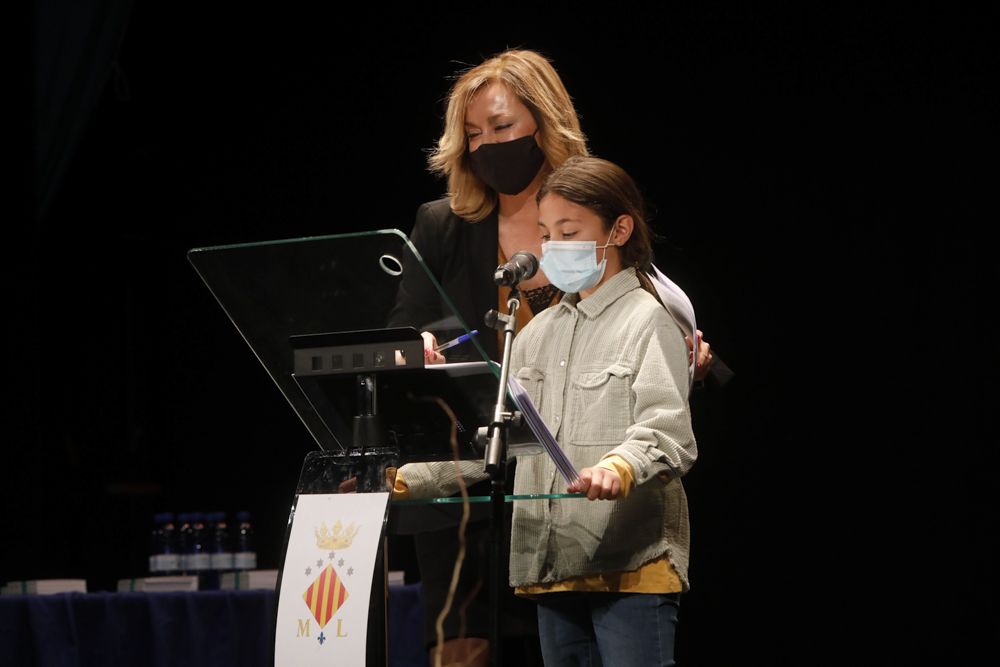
{"x":315,"y":313}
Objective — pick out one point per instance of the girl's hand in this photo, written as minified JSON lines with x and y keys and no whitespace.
{"x":598,"y":484}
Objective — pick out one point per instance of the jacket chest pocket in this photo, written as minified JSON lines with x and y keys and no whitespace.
{"x":601,"y":406}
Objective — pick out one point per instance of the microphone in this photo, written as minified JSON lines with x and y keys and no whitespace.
{"x":521,"y":266}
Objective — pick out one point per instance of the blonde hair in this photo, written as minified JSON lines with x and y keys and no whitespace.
{"x":532,"y":78}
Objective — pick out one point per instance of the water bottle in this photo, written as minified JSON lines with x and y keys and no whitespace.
{"x":184,"y":541}
{"x":245,"y":548}
{"x":163,"y":556}
{"x":199,"y":558}
{"x":156,"y":544}
{"x":219,"y":548}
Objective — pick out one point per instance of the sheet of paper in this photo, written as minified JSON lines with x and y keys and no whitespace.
{"x":680,"y":308}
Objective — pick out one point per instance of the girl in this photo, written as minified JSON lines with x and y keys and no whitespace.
{"x":607,"y":368}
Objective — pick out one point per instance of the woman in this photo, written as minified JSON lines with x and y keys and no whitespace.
{"x":508,"y":124}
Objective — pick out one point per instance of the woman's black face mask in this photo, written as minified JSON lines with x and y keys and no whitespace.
{"x":510,"y":166}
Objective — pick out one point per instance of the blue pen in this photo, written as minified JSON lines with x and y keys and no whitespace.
{"x":456,"y":341}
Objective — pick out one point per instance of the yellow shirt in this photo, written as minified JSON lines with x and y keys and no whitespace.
{"x":656,"y":576}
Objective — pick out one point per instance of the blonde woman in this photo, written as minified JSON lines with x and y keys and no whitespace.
{"x":509,"y":123}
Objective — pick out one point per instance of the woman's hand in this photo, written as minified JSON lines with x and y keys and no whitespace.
{"x":598,"y":484}
{"x":431,"y":356}
{"x":704,"y":361}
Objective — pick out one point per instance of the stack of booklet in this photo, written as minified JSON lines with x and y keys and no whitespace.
{"x":166,"y":584}
{"x":541,"y":431}
{"x":249,"y":579}
{"x":44,"y":587}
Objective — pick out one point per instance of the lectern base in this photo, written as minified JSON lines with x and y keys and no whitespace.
{"x":332,"y":591}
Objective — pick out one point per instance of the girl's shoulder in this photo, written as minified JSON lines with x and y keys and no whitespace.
{"x":643,"y":315}
{"x":640,"y":304}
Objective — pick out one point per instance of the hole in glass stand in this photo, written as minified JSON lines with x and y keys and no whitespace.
{"x":390,"y":265}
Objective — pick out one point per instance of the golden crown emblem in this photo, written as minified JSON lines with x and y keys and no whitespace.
{"x":338,"y":538}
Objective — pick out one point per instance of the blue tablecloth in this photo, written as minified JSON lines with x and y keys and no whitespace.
{"x":207,"y":628}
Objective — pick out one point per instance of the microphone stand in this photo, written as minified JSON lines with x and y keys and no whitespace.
{"x":496,"y":467}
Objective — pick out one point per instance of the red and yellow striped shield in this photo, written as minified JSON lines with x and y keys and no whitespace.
{"x":325,"y":595}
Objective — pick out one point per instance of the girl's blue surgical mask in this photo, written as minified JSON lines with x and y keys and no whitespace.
{"x":572,"y":265}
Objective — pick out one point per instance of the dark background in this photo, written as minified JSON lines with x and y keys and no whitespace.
{"x":821,"y":181}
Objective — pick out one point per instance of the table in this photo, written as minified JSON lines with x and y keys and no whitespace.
{"x":190,"y":629}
